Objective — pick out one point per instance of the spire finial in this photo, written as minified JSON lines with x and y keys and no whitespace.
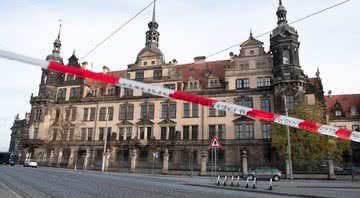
{"x":74,"y":52}
{"x":60,"y":25}
{"x":154,"y":9}
{"x":318,"y":72}
{"x":280,"y":2}
{"x":251,"y":34}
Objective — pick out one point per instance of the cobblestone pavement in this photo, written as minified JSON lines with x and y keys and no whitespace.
{"x":51,"y":182}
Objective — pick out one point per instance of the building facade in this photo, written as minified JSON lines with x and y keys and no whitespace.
{"x":71,"y":117}
{"x":344,"y":111}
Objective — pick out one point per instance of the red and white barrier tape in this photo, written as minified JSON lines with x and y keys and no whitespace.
{"x":168,"y":93}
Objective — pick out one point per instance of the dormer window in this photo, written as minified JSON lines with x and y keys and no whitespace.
{"x":110,"y":91}
{"x":153,"y":62}
{"x":193,"y":85}
{"x":93,"y":92}
{"x":252,"y":52}
{"x":145,"y":63}
{"x":213,"y":83}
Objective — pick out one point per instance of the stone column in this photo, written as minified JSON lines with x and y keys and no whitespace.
{"x":203,"y":162}
{"x":71,"y":158}
{"x":60,"y":158}
{"x":87,"y":158}
{"x":244,"y":163}
{"x":165,"y":169}
{"x":331,"y":172}
{"x":51,"y":160}
{"x":133,"y":156}
{"x":287,"y":166}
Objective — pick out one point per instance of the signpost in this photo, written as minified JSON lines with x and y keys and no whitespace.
{"x":155,"y":156}
{"x":214,"y":144}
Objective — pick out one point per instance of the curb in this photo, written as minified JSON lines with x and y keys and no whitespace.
{"x":256,"y":191}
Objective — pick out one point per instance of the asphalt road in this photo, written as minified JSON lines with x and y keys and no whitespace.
{"x":51,"y":182}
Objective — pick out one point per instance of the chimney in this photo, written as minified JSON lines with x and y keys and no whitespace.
{"x":84,"y":65}
{"x":105,"y":69}
{"x":329,"y":93}
{"x":199,"y":59}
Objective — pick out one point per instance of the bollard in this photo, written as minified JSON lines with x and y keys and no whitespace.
{"x":270,"y":184}
{"x":218,"y":179}
{"x":247,"y":182}
{"x":232,"y":180}
{"x":238,"y":181}
{"x":225,"y":178}
{"x":254,"y":183}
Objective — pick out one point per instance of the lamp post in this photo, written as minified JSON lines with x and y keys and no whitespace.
{"x":105,"y":142}
{"x":288,"y":141}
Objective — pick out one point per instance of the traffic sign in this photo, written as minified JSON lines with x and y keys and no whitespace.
{"x":215,"y":143}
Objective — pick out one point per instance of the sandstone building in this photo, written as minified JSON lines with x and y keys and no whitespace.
{"x":71,"y":117}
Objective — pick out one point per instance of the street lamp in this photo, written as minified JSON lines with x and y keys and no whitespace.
{"x":288,"y":141}
{"x":105,"y":142}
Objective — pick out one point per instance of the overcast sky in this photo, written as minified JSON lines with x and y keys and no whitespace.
{"x":188,"y":28}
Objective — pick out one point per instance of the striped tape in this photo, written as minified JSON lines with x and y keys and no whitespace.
{"x":168,"y":93}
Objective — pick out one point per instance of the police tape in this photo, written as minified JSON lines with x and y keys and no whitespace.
{"x":178,"y":95}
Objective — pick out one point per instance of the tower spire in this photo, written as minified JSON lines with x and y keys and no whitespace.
{"x":281,"y":13}
{"x":60,"y":25}
{"x":251,"y":34}
{"x":154,"y":12}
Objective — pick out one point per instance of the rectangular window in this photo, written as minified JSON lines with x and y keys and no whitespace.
{"x":143,"y":112}
{"x":266,"y":130}
{"x":263,"y":82}
{"x":67,"y":115}
{"x":212,"y":131}
{"x":61,"y":95}
{"x":83,"y":134}
{"x":86,"y":113}
{"x":36,"y":133}
{"x":195,"y":110}
{"x":148,"y":133}
{"x":157,"y":74}
{"x":75,"y":92}
{"x":186,"y":110}
{"x":186,"y":132}
{"x":221,"y":131}
{"x":142,"y":133}
{"x":121,"y":133}
{"x":109,"y":132}
{"x":170,"y":86}
{"x":130,"y":112}
{"x":242,"y":84}
{"x":128,"y":92}
{"x":267,"y":82}
{"x":164,"y":111}
{"x":151,"y":111}
{"x":92,"y":114}
{"x":290,"y":102}
{"x":212,"y":112}
{"x":195,"y":132}
{"x":72,"y":133}
{"x":265,"y":105}
{"x":73,"y":115}
{"x":247,"y":102}
{"x":172,"y":113}
{"x":110,"y":113}
{"x":221,"y":113}
{"x":244,"y":131}
{"x":128,"y":133}
{"x":139,"y":76}
{"x":171,"y":133}
{"x":102,"y":114}
{"x":90,"y":134}
{"x":163,"y":133}
{"x":122,"y":112}
{"x":101,"y":133}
